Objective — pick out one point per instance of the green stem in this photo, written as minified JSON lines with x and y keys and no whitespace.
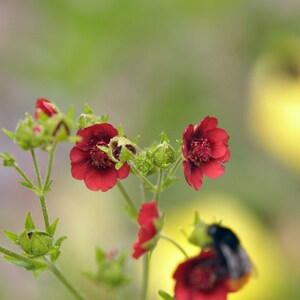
{"x":174,"y":168}
{"x":37,"y":170}
{"x":127,"y":198}
{"x":175,"y":244}
{"x":61,"y":277}
{"x":141,"y":176}
{"x":50,"y":164}
{"x":45,"y":211}
{"x":25,"y":177}
{"x":158,"y":186}
{"x":145,"y":276}
{"x":25,"y":259}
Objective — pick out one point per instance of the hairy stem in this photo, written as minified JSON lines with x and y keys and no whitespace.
{"x":147,"y":183}
{"x":37,"y":170}
{"x":25,"y":177}
{"x":61,"y":277}
{"x":158,"y":186}
{"x":50,"y":164}
{"x":126,"y":197}
{"x":175,"y":244}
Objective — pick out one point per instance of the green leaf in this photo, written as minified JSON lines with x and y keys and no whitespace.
{"x":29,"y":225}
{"x":165,"y":295}
{"x":12,"y":236}
{"x":25,"y":265}
{"x":8,"y":160}
{"x":135,"y":139}
{"x":52,"y":228}
{"x":9,"y":133}
{"x":100,"y":255}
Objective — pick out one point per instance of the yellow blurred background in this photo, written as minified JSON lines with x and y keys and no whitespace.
{"x":158,"y":66}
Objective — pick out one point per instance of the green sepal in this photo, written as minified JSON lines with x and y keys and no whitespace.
{"x":179,"y":141}
{"x":12,"y":236}
{"x":135,"y":139}
{"x":87,"y":109}
{"x":70,"y":112}
{"x":164,"y":138}
{"x":29,"y":224}
{"x":199,"y":236}
{"x":59,"y":241}
{"x":52,"y":228}
{"x":9,"y":133}
{"x":164,"y":295}
{"x":104,"y":118}
{"x":120,"y":131}
{"x":8,"y":160}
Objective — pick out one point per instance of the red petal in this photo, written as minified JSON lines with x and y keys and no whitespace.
{"x":226,"y":157}
{"x":205,"y":125}
{"x":183,"y":292}
{"x":79,"y":169}
{"x":193,"y":175}
{"x":98,"y":132}
{"x":124,"y":171}
{"x":218,"y":149}
{"x":212,"y":169}
{"x":138,"y":251}
{"x":187,"y":139}
{"x":216,"y":135}
{"x":148,"y":212}
{"x":103,"y":180}
{"x":77,"y":155}
{"x":45,"y":106}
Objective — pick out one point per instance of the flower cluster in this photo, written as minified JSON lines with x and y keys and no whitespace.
{"x":103,"y":156}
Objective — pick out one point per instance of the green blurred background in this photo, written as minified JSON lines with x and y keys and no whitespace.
{"x":158,"y":66}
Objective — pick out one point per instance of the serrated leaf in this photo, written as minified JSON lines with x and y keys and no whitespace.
{"x":29,"y":224}
{"x":59,"y":241}
{"x":164,"y":295}
{"x":9,"y":133}
{"x":12,"y":236}
{"x":52,"y":228}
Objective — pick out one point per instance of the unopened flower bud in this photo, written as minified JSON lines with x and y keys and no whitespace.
{"x":35,"y":243}
{"x":163,"y":155}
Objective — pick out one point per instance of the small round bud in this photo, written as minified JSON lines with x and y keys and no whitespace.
{"x":35,"y":243}
{"x":163,"y":155}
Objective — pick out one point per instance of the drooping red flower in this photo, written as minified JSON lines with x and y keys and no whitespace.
{"x":147,"y":216}
{"x":45,"y":106}
{"x":201,"y":278}
{"x":205,"y":148}
{"x":91,"y":164}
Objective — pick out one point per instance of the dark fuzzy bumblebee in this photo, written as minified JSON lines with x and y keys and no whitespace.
{"x":234,"y":257}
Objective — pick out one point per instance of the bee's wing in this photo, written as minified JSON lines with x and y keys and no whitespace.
{"x":238,"y":262}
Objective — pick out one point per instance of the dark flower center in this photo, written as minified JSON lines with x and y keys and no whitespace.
{"x":200,"y":151}
{"x":99,"y":158}
{"x":203,"y":278}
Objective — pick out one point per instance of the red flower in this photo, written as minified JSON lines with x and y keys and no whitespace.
{"x":91,"y":164}
{"x":201,"y":278}
{"x":147,"y":215}
{"x":45,"y":106}
{"x":207,"y":277}
{"x":205,"y":148}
